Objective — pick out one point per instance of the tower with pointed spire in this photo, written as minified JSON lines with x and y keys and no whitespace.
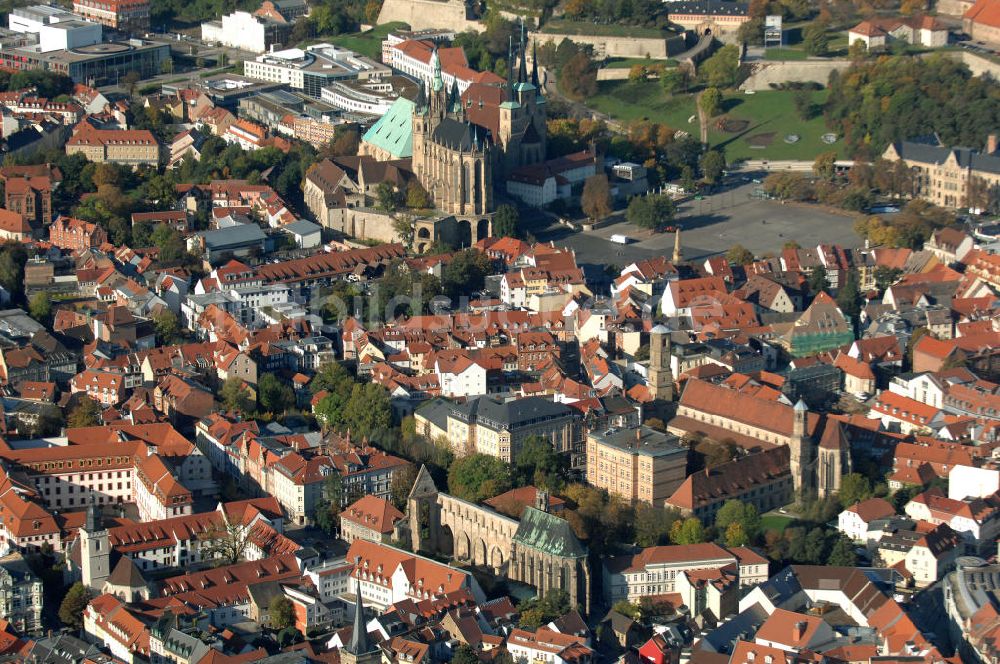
{"x":360,"y":649}
{"x":802,"y":451}
{"x":452,"y":157}
{"x":678,"y":255}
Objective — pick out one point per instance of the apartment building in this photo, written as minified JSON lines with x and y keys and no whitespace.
{"x":488,"y":426}
{"x":122,"y":15}
{"x":636,"y":463}
{"x":131,"y":147}
{"x":942,"y":175}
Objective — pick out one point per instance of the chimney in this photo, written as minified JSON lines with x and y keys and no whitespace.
{"x":992,"y":144}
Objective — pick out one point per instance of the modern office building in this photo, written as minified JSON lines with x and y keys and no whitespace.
{"x":313,"y":68}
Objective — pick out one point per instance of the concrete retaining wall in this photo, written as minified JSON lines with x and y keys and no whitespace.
{"x":423,"y":14}
{"x":618,"y":47}
{"x":612,"y":74}
{"x":807,"y":71}
{"x":978,"y":64}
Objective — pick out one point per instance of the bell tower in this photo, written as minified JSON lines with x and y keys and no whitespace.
{"x":95,"y":550}
{"x":661,"y":378}
{"x":802,"y":461}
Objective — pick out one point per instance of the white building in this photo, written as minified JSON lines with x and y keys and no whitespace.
{"x":968,"y":482}
{"x":388,"y":575}
{"x":459,"y":376}
{"x":57,"y":29}
{"x":855,"y":521}
{"x":413,"y":58}
{"x":306,"y":234}
{"x":313,"y":68}
{"x":244,"y":31}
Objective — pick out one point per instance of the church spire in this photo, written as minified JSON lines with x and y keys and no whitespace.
{"x":454,"y":98}
{"x":437,"y":83}
{"x":510,"y":68}
{"x":534,"y":64}
{"x":359,"y":644}
{"x":420,"y":103}
{"x":522,"y":72}
{"x":678,"y":256}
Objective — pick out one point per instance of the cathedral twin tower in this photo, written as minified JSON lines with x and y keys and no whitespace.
{"x":456,"y":157}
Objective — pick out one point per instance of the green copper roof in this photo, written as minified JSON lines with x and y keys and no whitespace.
{"x":549,"y":534}
{"x":510,"y":104}
{"x":523,"y":86}
{"x":393,"y":132}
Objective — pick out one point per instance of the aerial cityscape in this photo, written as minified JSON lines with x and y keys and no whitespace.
{"x":500,"y":332}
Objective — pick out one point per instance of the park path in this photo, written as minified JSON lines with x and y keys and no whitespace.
{"x":702,"y":119}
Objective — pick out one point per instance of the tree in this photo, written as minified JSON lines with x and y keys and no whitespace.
{"x":849,"y":297}
{"x":857,"y":51}
{"x":170,"y":242}
{"x":417,"y":197}
{"x":328,"y":506}
{"x":743,"y":514}
{"x":675,"y":80}
{"x":466,"y":273}
{"x":817,"y":280}
{"x":167,"y":327}
{"x":650,"y":211}
{"x":578,"y":77}
{"x":40,"y":307}
{"x":739,"y":255}
{"x":505,"y":221}
{"x":330,"y":376}
{"x":273,"y":395}
{"x":710,"y":102}
{"x":736,"y":535}
{"x":72,"y":607}
{"x":842,"y":554}
{"x":886,"y":276}
{"x":721,"y":70}
{"x":712,"y":166}
{"x":539,"y":611}
{"x":854,"y":487}
{"x":652,"y":524}
{"x":401,"y":484}
{"x":627,"y":608}
{"x":86,"y":413}
{"x":596,"y":198}
{"x":281,"y":612}
{"x":130,"y":81}
{"x":688,"y":531}
{"x":235,"y":396}
{"x":477,"y":477}
{"x":386,"y":197}
{"x":825,"y":165}
{"x":816,"y":39}
{"x":537,"y":463}
{"x":464,"y":654}
{"x":226,"y":543}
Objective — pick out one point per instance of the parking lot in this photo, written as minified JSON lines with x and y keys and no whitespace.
{"x":711,"y":226}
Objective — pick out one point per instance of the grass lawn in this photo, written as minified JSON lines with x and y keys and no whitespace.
{"x":628,"y":63}
{"x":776,"y":522}
{"x":645,"y":100}
{"x":771,"y":113}
{"x":785,"y":54}
{"x":366,"y":43}
{"x":568,"y":27}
